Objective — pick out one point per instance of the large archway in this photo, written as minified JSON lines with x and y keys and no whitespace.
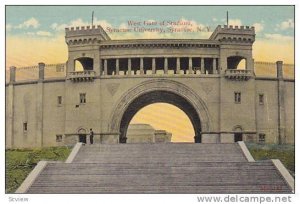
{"x":168,"y":122}
{"x":160,"y":97}
{"x":159,"y":90}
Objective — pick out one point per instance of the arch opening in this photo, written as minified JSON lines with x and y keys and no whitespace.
{"x":160,"y":97}
{"x":236,"y":62}
{"x":238,"y":133}
{"x":82,"y":135}
{"x":84,"y":63}
{"x":160,"y":122}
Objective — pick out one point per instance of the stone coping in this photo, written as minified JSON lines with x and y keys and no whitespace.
{"x":285,"y":174}
{"x":246,"y":152}
{"x":74,"y":152}
{"x":63,"y":79}
{"x":32,"y":177}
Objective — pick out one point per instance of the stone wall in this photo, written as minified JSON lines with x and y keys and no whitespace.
{"x":102,"y":96}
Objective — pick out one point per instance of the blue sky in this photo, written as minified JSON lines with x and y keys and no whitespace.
{"x":38,"y":31}
{"x":272,"y":19}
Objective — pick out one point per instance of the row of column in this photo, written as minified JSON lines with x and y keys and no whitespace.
{"x":190,"y":66}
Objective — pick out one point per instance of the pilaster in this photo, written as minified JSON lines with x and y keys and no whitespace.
{"x":39,"y":106}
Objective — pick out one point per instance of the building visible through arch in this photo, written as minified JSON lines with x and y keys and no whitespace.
{"x":159,"y":96}
{"x":202,"y":77}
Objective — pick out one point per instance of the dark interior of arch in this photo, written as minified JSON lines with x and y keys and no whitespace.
{"x":86,"y":62}
{"x":233,"y":62}
{"x":160,"y":97}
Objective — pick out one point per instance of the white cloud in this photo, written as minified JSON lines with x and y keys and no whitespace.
{"x":258,"y":27}
{"x":235,"y":22}
{"x":43,"y":33}
{"x":8,"y":27}
{"x":32,"y":22}
{"x":103,"y":23}
{"x":215,"y":19}
{"x":77,"y":23}
{"x":40,"y":33}
{"x":278,"y":37}
{"x":288,"y":24}
{"x":30,"y":33}
{"x":57,"y":27}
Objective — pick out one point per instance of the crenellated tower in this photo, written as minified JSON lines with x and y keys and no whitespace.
{"x":235,"y":45}
{"x":83,"y":46}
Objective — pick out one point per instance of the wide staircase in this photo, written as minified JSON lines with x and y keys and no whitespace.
{"x":159,"y":153}
{"x":160,"y":168}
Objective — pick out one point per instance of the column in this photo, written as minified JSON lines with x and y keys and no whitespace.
{"x":281,"y":103}
{"x":41,"y":71}
{"x":218,"y":66}
{"x":117,"y":67}
{"x":97,"y":66}
{"x":70,"y":66}
{"x":12,"y":74}
{"x":129,"y":66}
{"x":202,"y":66}
{"x":105,"y":66}
{"x":166,"y":66}
{"x":141,"y":66}
{"x":9,"y":118}
{"x":39,"y":107}
{"x":214,"y":66}
{"x":177,"y":65}
{"x":279,"y":69}
{"x":100,"y":67}
{"x":190,"y":65}
{"x":250,"y":64}
{"x":153,"y":66}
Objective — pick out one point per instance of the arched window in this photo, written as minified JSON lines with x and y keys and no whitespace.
{"x":84,"y":63}
{"x":236,"y":62}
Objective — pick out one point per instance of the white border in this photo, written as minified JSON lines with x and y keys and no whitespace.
{"x":129,"y":198}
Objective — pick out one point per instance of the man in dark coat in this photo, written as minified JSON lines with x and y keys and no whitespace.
{"x":91,"y":136}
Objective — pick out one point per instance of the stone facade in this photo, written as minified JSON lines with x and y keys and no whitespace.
{"x":145,"y":133}
{"x":119,"y":77}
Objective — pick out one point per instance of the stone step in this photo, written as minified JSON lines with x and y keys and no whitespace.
{"x":143,"y":177}
{"x":215,"y":159}
{"x":113,"y":147}
{"x":146,"y":164}
{"x":160,"y":168}
{"x":202,"y":177}
{"x":159,"y":152}
{"x":190,"y":189}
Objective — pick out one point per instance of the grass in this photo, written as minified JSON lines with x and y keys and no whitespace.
{"x":285,"y":153}
{"x":20,"y":162}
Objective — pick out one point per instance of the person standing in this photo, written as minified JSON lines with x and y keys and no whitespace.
{"x":91,"y":136}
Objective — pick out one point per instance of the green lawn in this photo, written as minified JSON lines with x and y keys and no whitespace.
{"x":20,"y":162}
{"x":285,"y":153}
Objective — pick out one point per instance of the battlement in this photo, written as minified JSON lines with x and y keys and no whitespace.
{"x":239,"y":28}
{"x":86,"y":31}
{"x":224,"y":32}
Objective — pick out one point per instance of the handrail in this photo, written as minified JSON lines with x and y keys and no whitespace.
{"x":86,"y":75}
{"x":238,"y":74}
{"x":84,"y":72}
